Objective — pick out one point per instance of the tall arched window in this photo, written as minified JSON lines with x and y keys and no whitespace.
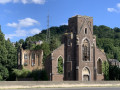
{"x":33,"y":59}
{"x":99,"y":66}
{"x":86,"y":50}
{"x":60,"y":65}
{"x":85,"y":30}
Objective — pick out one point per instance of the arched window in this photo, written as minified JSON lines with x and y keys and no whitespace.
{"x":33,"y":59}
{"x":60,"y":65}
{"x":39,"y":60}
{"x":86,"y":50}
{"x":85,"y":30}
{"x":99,"y":66}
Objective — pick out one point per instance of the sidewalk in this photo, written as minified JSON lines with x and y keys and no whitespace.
{"x":51,"y":84}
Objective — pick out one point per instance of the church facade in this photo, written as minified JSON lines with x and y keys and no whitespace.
{"x":82,"y":59}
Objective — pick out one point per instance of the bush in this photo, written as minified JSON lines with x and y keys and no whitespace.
{"x":24,"y":73}
{"x":39,"y":75}
{"x":21,"y":73}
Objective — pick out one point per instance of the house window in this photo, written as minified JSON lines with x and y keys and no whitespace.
{"x":25,"y":59}
{"x":33,"y":59}
{"x":85,"y":30}
{"x":38,"y":60}
{"x":99,"y":66}
{"x":25,"y":56}
{"x":86,"y":50}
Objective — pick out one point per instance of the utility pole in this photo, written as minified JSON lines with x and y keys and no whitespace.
{"x":0,"y":27}
{"x":48,"y":30}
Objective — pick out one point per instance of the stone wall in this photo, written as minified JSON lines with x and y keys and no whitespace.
{"x":51,"y":64}
{"x":26,"y":62}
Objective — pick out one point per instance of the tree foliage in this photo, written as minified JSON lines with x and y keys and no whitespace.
{"x":114,"y":73}
{"x":60,"y":65}
{"x":105,"y":70}
{"x":35,"y":74}
{"x":8,"y":57}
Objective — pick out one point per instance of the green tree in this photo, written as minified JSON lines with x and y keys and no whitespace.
{"x":11,"y":56}
{"x":54,"y":43}
{"x":21,"y":41}
{"x":105,"y":70}
{"x":3,"y":50}
{"x":4,"y":74}
{"x":3,"y":58}
{"x":114,"y":73}
{"x":46,"y":50}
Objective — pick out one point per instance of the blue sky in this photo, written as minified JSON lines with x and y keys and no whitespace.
{"x":22,"y":18}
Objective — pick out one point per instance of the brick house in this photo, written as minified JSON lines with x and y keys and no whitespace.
{"x":30,"y":59}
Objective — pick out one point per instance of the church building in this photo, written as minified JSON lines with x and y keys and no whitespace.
{"x":77,"y":59}
{"x":82,"y":59}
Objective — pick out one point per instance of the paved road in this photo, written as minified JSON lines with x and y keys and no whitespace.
{"x":70,"y":89}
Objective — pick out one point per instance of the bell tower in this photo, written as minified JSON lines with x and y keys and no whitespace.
{"x":78,"y":23}
{"x":79,"y":53}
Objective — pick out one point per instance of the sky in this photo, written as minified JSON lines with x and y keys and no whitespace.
{"x":23,"y":18}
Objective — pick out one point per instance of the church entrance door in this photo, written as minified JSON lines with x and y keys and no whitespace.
{"x":85,"y":78}
{"x":86,"y":74}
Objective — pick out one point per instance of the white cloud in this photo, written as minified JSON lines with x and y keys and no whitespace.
{"x":117,"y":10}
{"x":23,"y":23}
{"x":15,"y":1}
{"x":27,"y":22}
{"x":17,"y":33}
{"x":23,"y":1}
{"x":35,"y":31}
{"x":15,"y":25}
{"x":118,"y":5}
{"x":38,"y":1}
{"x":22,"y":33}
{"x":5,"y":1}
{"x":64,"y":24}
{"x":112,"y":10}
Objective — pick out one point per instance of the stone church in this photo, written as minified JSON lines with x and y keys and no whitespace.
{"x":82,"y":59}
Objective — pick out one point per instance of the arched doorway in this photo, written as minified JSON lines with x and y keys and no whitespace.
{"x":86,"y":74}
